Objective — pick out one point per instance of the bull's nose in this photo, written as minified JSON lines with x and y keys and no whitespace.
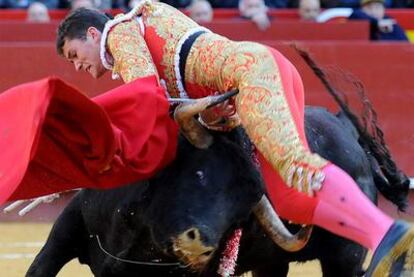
{"x":189,"y":247}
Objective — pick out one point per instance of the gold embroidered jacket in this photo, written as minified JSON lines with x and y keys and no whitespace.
{"x":148,"y":41}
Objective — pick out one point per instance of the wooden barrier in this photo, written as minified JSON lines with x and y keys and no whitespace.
{"x":405,"y":17}
{"x":25,"y":62}
{"x":21,"y":14}
{"x":291,"y":30}
{"x":27,"y":32}
{"x":280,"y":30}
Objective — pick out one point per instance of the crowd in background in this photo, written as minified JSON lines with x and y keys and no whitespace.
{"x":382,"y":27}
{"x":125,"y":4}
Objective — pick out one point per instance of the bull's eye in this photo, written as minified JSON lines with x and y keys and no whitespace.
{"x":207,"y":253}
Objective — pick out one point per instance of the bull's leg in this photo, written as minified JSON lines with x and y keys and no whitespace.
{"x":342,"y":258}
{"x":65,"y":242}
{"x":334,"y":268}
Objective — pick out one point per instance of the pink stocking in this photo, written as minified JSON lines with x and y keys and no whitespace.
{"x":344,"y":210}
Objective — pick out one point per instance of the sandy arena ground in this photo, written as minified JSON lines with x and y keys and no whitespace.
{"x":19,"y":242}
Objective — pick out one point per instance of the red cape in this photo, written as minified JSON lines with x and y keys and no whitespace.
{"x":53,"y":138}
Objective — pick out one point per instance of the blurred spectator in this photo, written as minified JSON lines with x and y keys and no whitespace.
{"x":76,"y":4}
{"x":16,"y":4}
{"x":37,"y":12}
{"x":98,"y":4}
{"x":309,"y":9}
{"x":356,"y":3}
{"x":224,"y":3}
{"x":256,"y":11}
{"x":277,"y":3}
{"x":382,"y":27}
{"x":103,"y":4}
{"x":177,"y":3}
{"x":201,"y":11}
{"x":402,"y":4}
{"x":132,"y":3}
{"x":24,"y":4}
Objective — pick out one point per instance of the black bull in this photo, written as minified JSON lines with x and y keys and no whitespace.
{"x":186,"y":213}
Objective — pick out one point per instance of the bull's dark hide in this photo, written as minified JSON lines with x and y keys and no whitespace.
{"x":211,"y":190}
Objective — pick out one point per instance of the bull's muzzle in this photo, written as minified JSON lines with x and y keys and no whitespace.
{"x":190,"y":249}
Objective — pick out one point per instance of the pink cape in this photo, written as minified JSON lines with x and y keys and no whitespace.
{"x":53,"y":138}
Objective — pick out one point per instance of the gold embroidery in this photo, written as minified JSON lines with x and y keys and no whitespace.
{"x":220,"y":65}
{"x":170,"y":24}
{"x":204,"y":62}
{"x":130,"y":52}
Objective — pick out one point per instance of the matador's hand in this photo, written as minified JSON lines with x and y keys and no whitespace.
{"x":221,"y":117}
{"x":305,"y":180}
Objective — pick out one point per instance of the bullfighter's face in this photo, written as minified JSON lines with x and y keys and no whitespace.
{"x":375,"y":9}
{"x":84,"y":53}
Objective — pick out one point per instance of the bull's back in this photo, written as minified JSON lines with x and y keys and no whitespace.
{"x":336,"y":140}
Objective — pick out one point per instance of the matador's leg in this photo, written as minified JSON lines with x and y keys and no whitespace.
{"x":269,"y":111}
{"x":270,"y":108}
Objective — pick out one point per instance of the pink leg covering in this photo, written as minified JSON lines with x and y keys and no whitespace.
{"x":339,"y":206}
{"x":344,"y":210}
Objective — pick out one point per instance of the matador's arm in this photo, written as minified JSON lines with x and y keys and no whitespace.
{"x":132,"y":58}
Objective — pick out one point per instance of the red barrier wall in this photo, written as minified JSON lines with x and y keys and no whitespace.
{"x":236,"y":29}
{"x":15,"y":31}
{"x":24,"y":62}
{"x":239,"y":29}
{"x":405,"y":17}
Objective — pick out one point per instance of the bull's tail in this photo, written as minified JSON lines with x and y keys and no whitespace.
{"x":389,"y":179}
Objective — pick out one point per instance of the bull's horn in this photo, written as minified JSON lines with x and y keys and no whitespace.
{"x":184,"y":114}
{"x":277,"y":231}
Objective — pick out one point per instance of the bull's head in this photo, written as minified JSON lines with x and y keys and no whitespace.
{"x":208,"y":192}
{"x":201,"y":199}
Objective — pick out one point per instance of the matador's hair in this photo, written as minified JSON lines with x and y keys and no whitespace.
{"x":76,"y":24}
